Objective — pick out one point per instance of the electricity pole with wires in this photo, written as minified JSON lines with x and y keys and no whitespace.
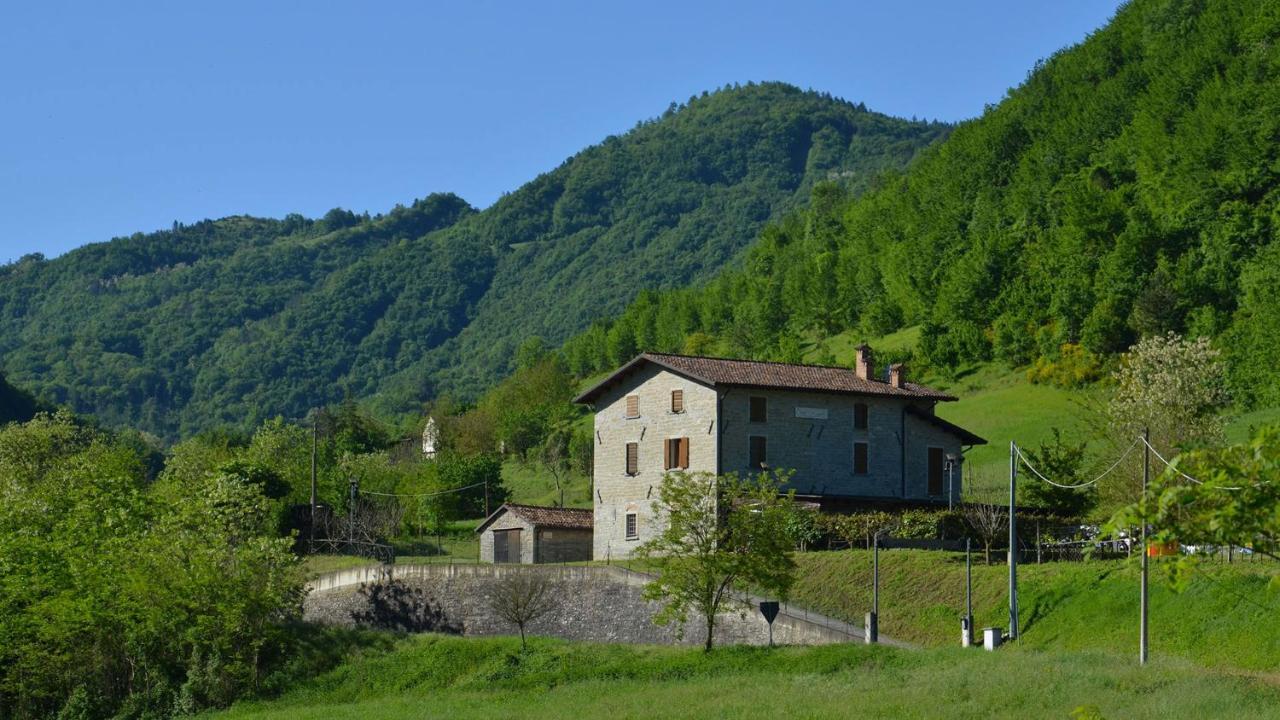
{"x":1013,"y":541}
{"x":1144,"y":649}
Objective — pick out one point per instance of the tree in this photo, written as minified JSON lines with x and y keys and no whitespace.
{"x":988,"y":521}
{"x":1233,"y":500}
{"x":556,"y":460}
{"x":1060,"y":461}
{"x":718,"y":531}
{"x":1173,"y":388}
{"x":521,"y":597}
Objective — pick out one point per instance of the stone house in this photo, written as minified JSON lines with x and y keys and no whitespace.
{"x":531,"y":534}
{"x":848,"y":436}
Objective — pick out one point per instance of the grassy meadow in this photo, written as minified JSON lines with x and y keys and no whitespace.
{"x":431,"y":676}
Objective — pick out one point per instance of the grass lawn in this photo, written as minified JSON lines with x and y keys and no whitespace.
{"x":446,"y":677}
{"x":1225,"y":617}
{"x":530,"y":484}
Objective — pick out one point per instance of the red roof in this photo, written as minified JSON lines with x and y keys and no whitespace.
{"x":539,"y":516}
{"x":756,"y":373}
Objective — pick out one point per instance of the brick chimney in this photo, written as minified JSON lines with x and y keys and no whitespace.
{"x":897,"y":375}
{"x":865,"y":364}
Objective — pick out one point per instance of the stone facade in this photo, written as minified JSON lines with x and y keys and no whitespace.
{"x":616,"y":492}
{"x":600,"y":604}
{"x":811,"y":434}
{"x":538,"y":544}
{"x":506,"y":523}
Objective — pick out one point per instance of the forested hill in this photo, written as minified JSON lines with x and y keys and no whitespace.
{"x":1131,"y":186}
{"x":235,"y":320}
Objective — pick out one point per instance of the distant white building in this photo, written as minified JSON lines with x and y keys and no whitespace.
{"x":430,"y":438}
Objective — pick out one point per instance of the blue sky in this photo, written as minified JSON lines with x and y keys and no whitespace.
{"x":123,"y":117}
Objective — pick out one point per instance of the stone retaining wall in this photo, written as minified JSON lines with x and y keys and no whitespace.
{"x":601,"y":604}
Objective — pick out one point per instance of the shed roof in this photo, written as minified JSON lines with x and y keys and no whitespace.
{"x":540,"y":516}
{"x":755,"y":373}
{"x":965,"y":437}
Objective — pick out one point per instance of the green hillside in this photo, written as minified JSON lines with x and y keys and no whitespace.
{"x":1127,"y":188}
{"x":240,"y":319}
{"x":443,"y":677}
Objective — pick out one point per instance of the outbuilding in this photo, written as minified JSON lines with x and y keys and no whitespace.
{"x":528,"y":534}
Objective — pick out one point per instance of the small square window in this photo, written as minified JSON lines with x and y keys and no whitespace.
{"x":633,"y":529}
{"x":860,"y":417}
{"x":633,"y":406}
{"x":759,"y":409}
{"x":677,"y":401}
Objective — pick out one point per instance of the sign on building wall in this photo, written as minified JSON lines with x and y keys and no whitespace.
{"x":811,"y":413}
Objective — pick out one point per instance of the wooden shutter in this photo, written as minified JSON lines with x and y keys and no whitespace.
{"x":759,"y":455}
{"x":677,"y":401}
{"x":860,"y":417}
{"x":936,"y":459}
{"x":668,"y":456}
{"x":759,"y":409}
{"x":860,"y":458}
{"x":633,"y":406}
{"x":633,"y":458}
{"x":682,"y":447}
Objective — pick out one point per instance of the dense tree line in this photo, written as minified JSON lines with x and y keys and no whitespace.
{"x":1126,"y":189}
{"x":237,"y":320}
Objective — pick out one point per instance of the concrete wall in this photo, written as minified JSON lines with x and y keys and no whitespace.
{"x":508,"y":521}
{"x":617,"y":493}
{"x":601,"y":604}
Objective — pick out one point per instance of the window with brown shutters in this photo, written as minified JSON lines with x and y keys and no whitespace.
{"x":676,"y":454}
{"x":633,"y":458}
{"x":677,"y":401}
{"x":633,"y":406}
{"x":937,"y":458}
{"x":633,"y":527}
{"x":759,"y":409}
{"x":860,"y":416}
{"x":759,"y":452}
{"x":860,"y":458}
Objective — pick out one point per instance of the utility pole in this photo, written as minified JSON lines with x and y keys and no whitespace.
{"x":351,"y":511}
{"x":1144,"y":649}
{"x":872,"y":628}
{"x":314,"y":414}
{"x":1013,"y":541}
{"x":967,"y":639}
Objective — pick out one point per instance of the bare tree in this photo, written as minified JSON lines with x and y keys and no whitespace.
{"x":522,"y":597}
{"x":555,"y":458}
{"x":988,"y":521}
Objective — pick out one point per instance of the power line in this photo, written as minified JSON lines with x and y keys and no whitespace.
{"x":1076,"y":486}
{"x":420,"y":495}
{"x":1177,"y":470}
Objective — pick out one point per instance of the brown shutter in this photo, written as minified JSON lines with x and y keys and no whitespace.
{"x":677,"y":401}
{"x":633,"y":406}
{"x":684,"y":453}
{"x":666,"y":455}
{"x":936,"y":458}
{"x":633,"y":458}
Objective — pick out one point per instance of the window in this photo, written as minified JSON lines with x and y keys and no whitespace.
{"x":859,"y":458}
{"x":633,"y":458}
{"x":759,"y":455}
{"x":936,"y":462}
{"x":677,"y":401}
{"x":759,"y":409}
{"x":676,"y":456}
{"x":633,"y":406}
{"x":860,"y":416}
{"x":633,"y":530}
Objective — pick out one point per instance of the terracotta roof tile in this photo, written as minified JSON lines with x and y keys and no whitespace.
{"x":784,"y":376}
{"x":555,"y":517}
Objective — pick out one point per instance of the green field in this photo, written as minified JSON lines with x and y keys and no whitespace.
{"x":431,"y":676}
{"x":1225,"y":618}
